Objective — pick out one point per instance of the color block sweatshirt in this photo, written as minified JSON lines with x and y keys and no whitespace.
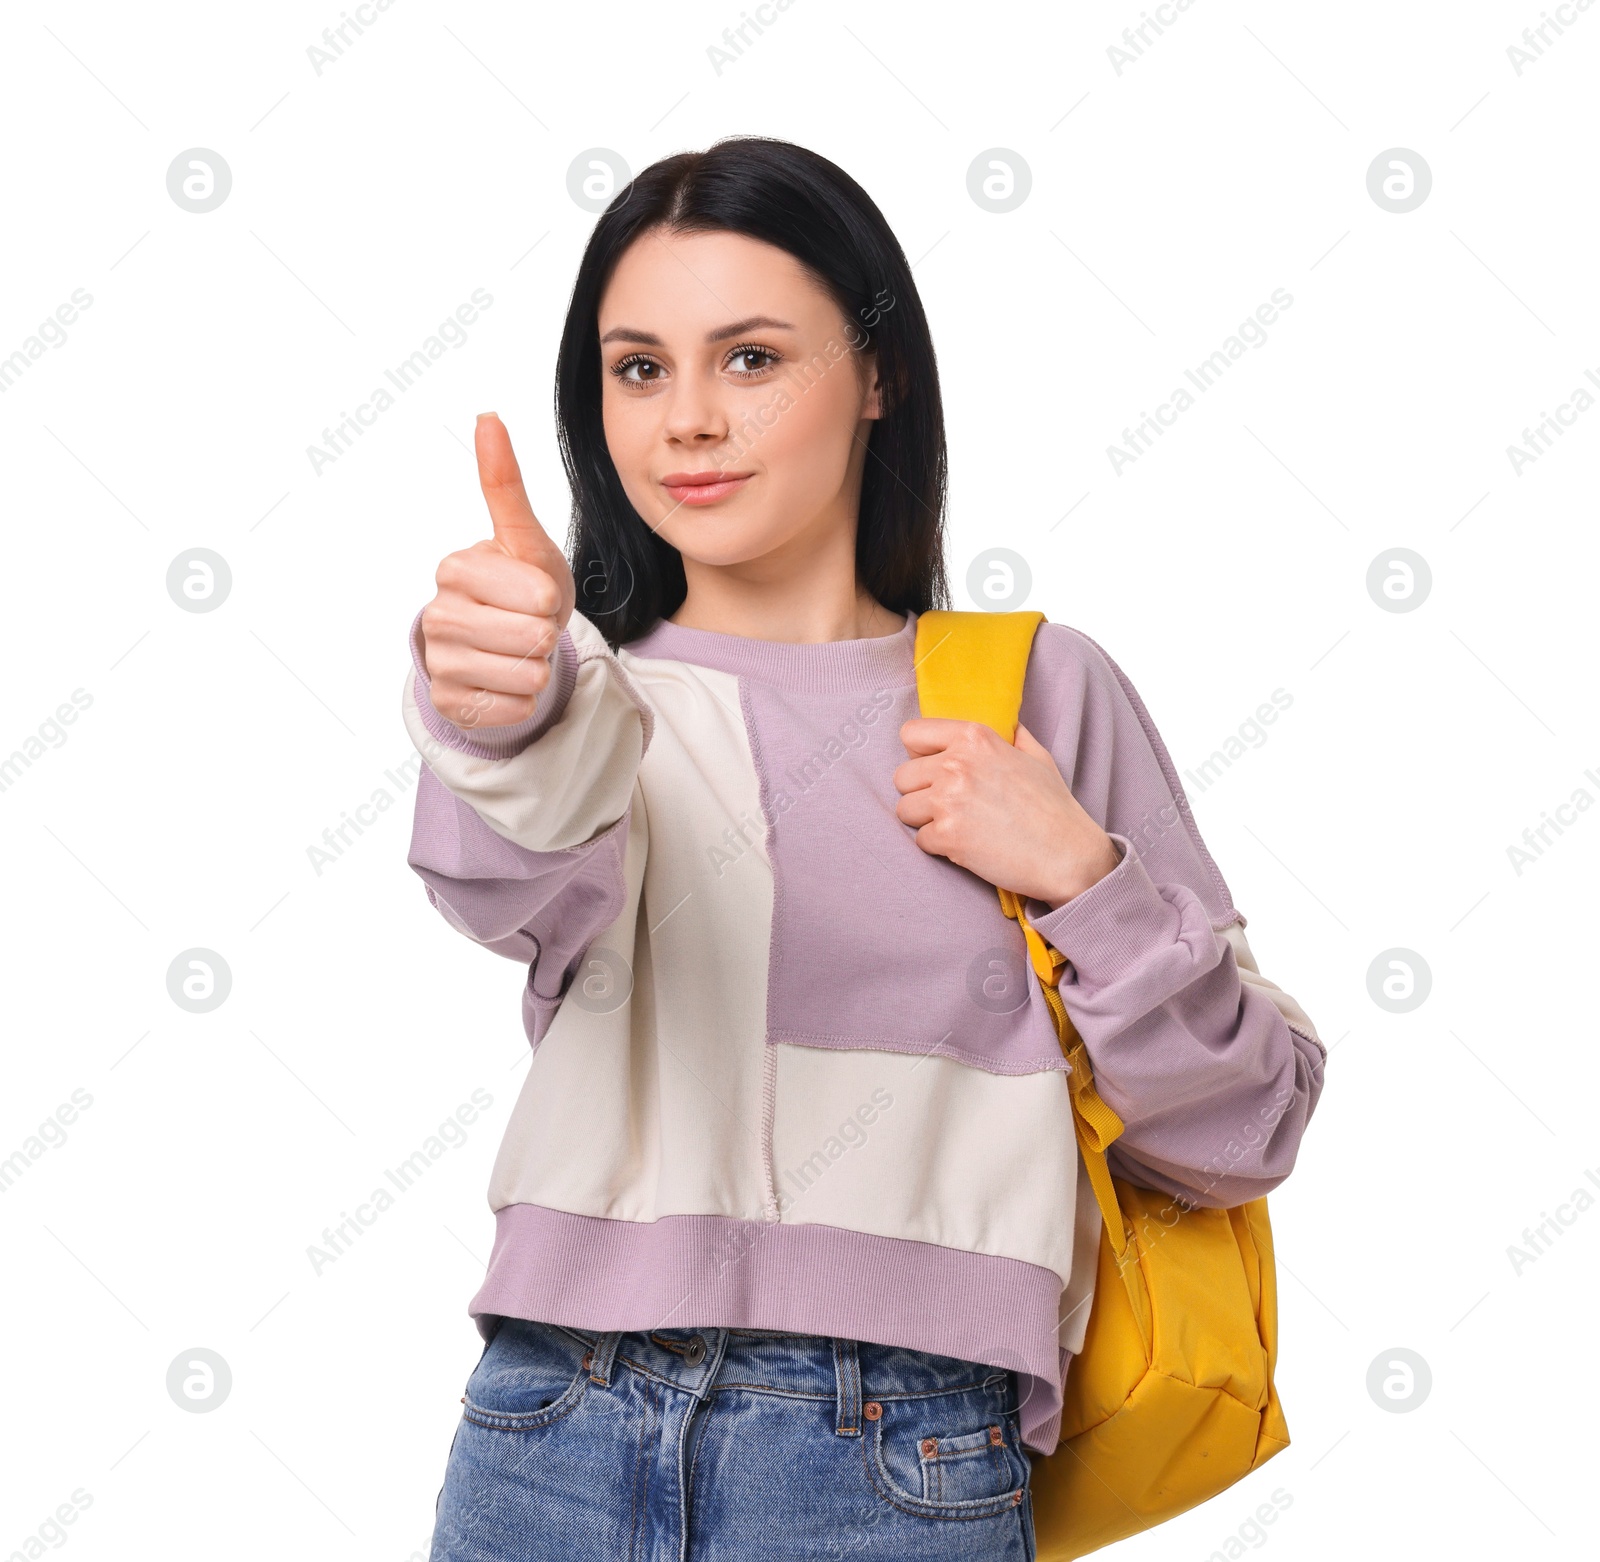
{"x":788,"y":1070}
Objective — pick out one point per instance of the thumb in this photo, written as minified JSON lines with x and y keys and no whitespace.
{"x":516,"y":528}
{"x":1033,"y":748}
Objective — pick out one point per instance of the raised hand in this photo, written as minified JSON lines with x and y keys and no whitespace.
{"x":501,"y":604}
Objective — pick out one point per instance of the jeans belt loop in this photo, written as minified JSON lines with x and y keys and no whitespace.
{"x":847,"y":1370}
{"x":605,"y":1352}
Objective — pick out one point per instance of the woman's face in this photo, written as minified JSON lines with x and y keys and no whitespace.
{"x":736,"y":406}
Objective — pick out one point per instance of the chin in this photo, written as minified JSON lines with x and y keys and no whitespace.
{"x":719,"y":535}
{"x":721,"y":551}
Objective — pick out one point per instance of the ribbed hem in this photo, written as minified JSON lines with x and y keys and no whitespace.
{"x":714,"y":1271}
{"x":498,"y":742}
{"x":826,"y":667}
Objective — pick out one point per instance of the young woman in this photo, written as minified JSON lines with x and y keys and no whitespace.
{"x":793,"y":1242}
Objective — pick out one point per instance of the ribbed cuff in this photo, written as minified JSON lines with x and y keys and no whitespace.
{"x":1114,"y":924}
{"x":498,"y":742}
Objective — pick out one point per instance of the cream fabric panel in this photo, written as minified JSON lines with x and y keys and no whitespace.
{"x":951,"y":1155}
{"x":655,"y":1107}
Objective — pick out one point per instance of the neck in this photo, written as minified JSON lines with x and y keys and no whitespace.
{"x":805,"y":592}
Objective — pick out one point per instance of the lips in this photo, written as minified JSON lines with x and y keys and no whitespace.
{"x":703,"y":487}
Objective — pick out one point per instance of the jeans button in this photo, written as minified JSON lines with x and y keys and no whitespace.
{"x":696,"y":1353}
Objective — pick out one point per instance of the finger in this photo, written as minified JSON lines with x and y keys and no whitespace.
{"x":487,"y":672}
{"x":916,"y":774}
{"x":484,"y":573}
{"x":493,"y":629}
{"x":1030,"y":745}
{"x":931,"y":734}
{"x":915,"y":809}
{"x":515,"y":527}
{"x":472,"y":707}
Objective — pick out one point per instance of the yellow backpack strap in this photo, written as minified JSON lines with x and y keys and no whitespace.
{"x":1096,"y":1123}
{"x":971,"y":666}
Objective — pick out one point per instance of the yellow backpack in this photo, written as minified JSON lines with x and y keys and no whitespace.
{"x":1171,"y":1399}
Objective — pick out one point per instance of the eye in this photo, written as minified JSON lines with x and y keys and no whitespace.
{"x":624,"y":367}
{"x":740,"y":360}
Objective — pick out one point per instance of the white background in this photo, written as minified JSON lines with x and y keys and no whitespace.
{"x":1167,"y":203}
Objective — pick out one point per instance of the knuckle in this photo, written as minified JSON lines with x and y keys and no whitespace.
{"x":448,"y":698}
{"x":543,"y":593}
{"x":514,"y":708}
{"x":455,"y":569}
{"x":437,"y":615}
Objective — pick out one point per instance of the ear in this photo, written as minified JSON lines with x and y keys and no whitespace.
{"x":872,"y":407}
{"x":868,"y":376}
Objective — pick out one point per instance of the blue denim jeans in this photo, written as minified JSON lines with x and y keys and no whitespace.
{"x":730,"y":1445}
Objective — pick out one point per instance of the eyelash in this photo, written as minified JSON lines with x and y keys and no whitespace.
{"x":621,"y":367}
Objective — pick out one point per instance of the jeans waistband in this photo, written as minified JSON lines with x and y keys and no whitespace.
{"x":850,"y":1372}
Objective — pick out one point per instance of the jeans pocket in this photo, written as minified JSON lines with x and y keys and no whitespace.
{"x":531,"y":1374}
{"x":949,"y":1456}
{"x":967,"y":1466}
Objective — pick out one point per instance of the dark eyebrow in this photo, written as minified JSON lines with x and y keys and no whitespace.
{"x":755,"y":322}
{"x":628,"y":333}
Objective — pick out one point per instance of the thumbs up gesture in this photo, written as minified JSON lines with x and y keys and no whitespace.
{"x":501,"y":604}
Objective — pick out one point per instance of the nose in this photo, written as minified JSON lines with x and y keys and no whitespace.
{"x":694,"y":413}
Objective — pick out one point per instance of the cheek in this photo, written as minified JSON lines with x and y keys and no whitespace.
{"x":806,"y":441}
{"x":630,"y":437}
{"x":624,"y":435}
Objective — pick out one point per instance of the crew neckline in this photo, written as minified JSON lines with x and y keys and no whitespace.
{"x":823,"y":666}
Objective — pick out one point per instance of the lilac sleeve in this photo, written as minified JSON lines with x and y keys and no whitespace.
{"x":542,"y":908}
{"x":1213,"y":1083}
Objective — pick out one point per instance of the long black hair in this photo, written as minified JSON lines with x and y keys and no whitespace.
{"x":627,"y":576}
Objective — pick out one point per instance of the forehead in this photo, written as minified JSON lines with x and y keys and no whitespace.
{"x":689,"y":282}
